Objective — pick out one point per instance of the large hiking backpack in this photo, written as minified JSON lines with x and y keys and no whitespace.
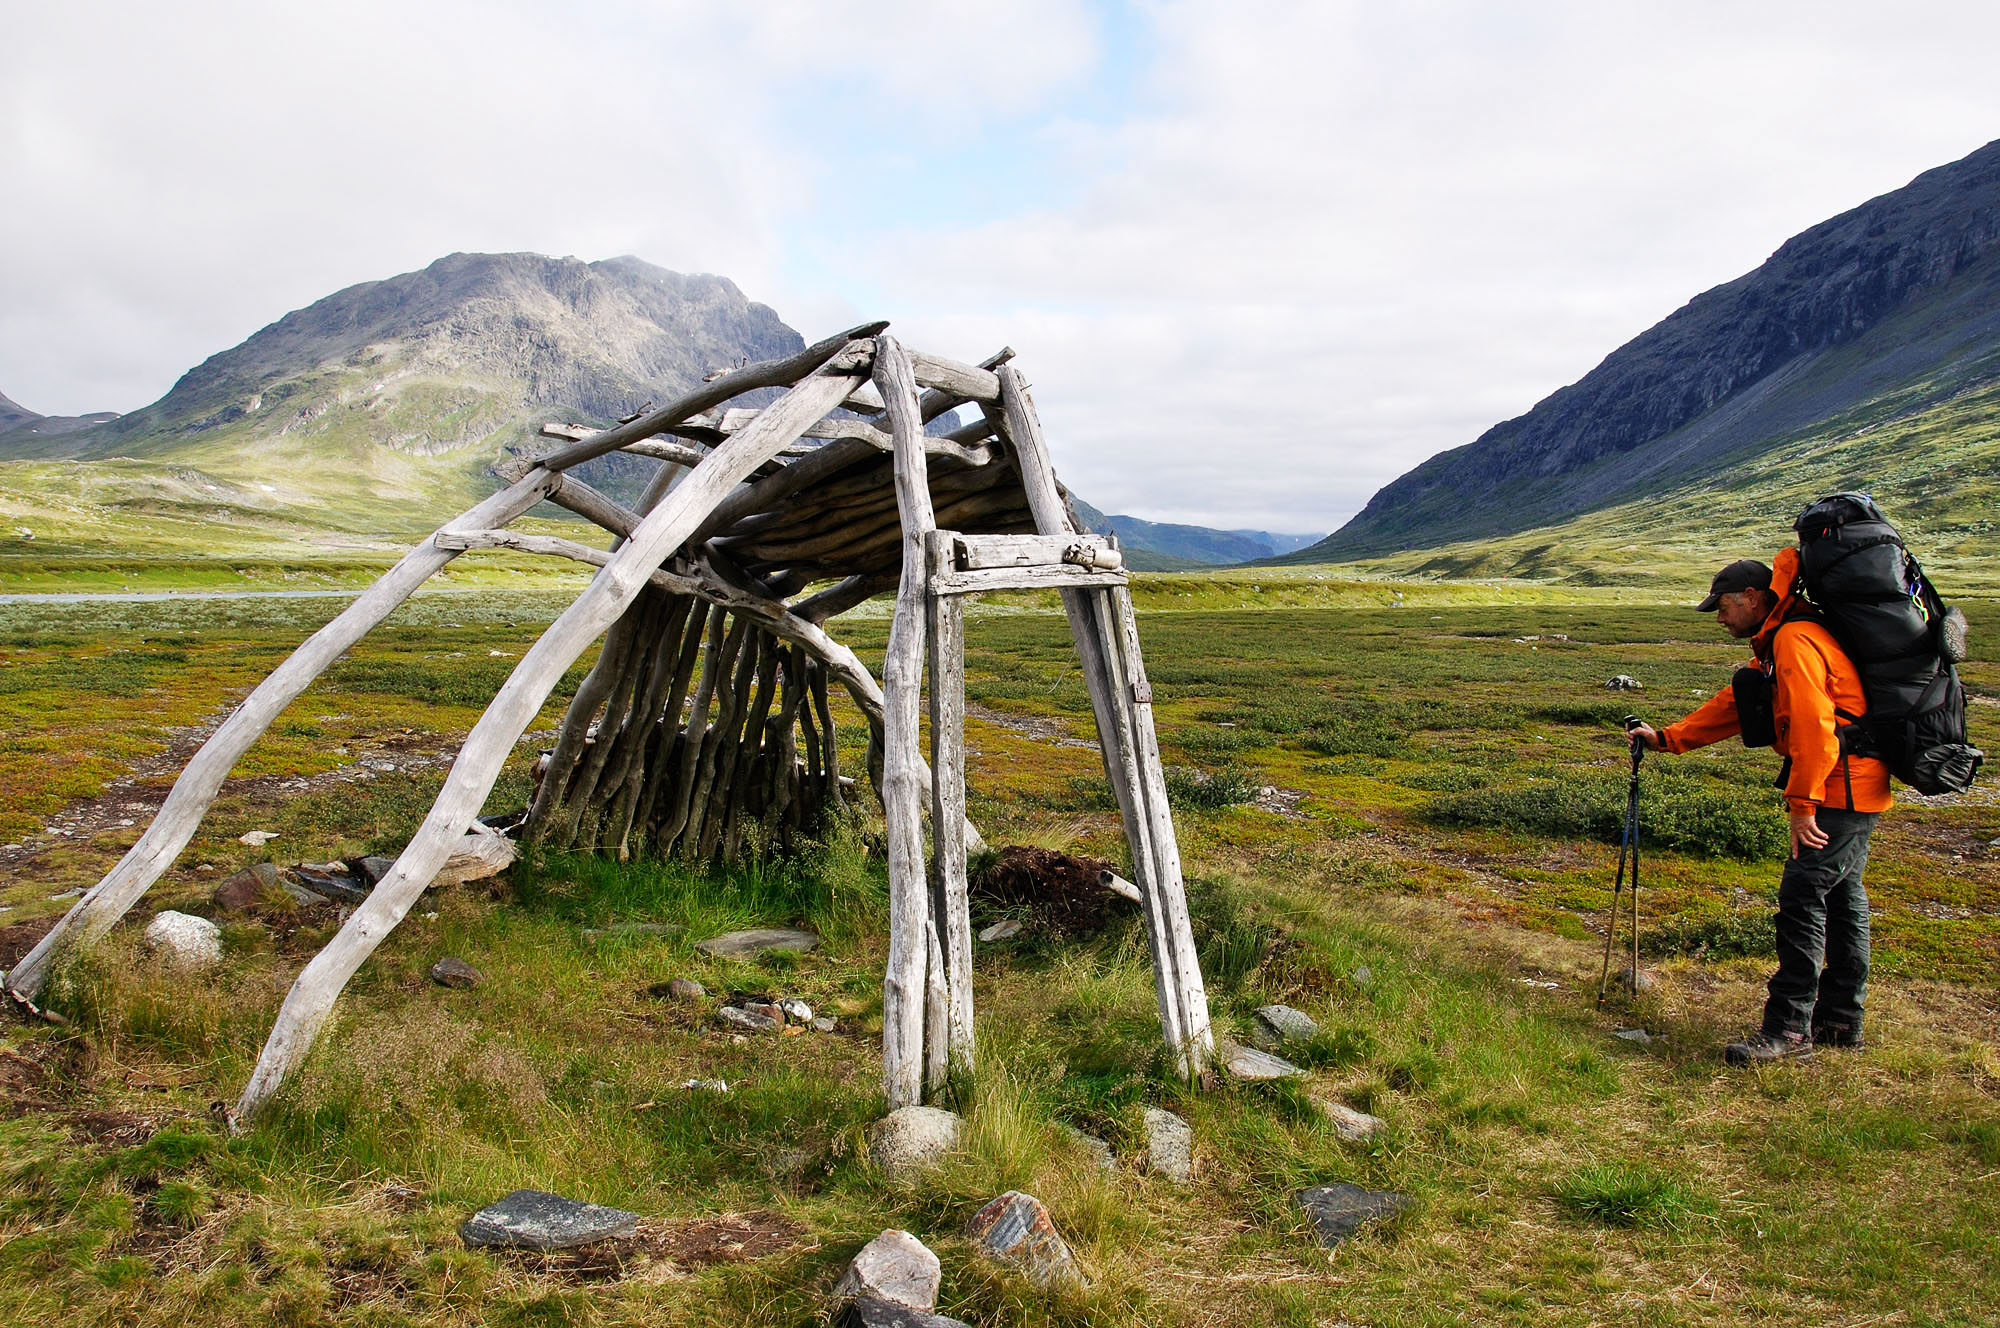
{"x":1882,"y":609}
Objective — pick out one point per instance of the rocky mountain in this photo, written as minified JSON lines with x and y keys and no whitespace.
{"x":1165,"y":546}
{"x":1895,"y":302}
{"x":16,"y":417}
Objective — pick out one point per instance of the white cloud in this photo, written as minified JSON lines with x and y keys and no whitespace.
{"x":1260,"y":258}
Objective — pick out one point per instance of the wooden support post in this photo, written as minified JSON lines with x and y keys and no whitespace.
{"x":949,"y":908}
{"x":492,"y":739}
{"x":180,"y":815}
{"x":903,"y":989}
{"x":1131,"y":761}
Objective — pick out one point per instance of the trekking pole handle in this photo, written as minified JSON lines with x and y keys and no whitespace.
{"x":1632,"y":723}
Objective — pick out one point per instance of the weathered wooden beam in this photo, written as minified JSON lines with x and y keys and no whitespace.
{"x":903,"y":990}
{"x":1088,"y":551}
{"x":1054,"y":576}
{"x":492,"y":739}
{"x":962,"y":380}
{"x":950,"y":910}
{"x":770,"y":373}
{"x":188,"y":801}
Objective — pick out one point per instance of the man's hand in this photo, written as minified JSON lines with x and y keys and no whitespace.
{"x":1806,"y":832}
{"x":1645,"y":735}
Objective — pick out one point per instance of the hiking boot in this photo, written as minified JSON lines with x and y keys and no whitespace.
{"x":1845,"y":1036}
{"x":1762,"y":1048}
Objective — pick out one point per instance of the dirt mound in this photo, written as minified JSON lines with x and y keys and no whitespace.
{"x":1060,"y":893}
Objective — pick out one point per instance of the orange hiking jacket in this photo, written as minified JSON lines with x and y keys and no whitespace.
{"x":1811,"y":676}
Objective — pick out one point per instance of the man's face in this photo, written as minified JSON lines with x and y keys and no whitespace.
{"x":1742,"y":612}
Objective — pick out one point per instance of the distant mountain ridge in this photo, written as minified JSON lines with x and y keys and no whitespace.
{"x":1175,"y":546}
{"x":1900,"y":295}
{"x":385,"y":404}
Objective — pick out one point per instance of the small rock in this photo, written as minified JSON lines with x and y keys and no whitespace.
{"x":480,"y":855}
{"x":257,"y":838}
{"x":1000,"y":930}
{"x":1339,"y":1210}
{"x":1274,"y":1025}
{"x":247,"y":888}
{"x":874,"y":1312}
{"x":1638,"y":1035}
{"x":375,"y":868}
{"x":1247,"y":1063}
{"x":769,"y":1009}
{"x":1356,"y":1127}
{"x":1100,"y":1152}
{"x":912,"y":1139}
{"x":451,"y":972}
{"x":825,"y":1024}
{"x":184,"y":940}
{"x":796,"y":1010}
{"x":706,"y":1086}
{"x":757,"y":1021}
{"x":683,"y":989}
{"x":894,"y":1266}
{"x":1364,"y":977}
{"x":743,"y":944}
{"x":330,"y":885}
{"x":1624,"y":682}
{"x":1015,"y":1228}
{"x":1639,"y":984}
{"x":534,"y":1220}
{"x":1169,"y":1146}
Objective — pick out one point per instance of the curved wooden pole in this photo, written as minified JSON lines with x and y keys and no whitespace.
{"x":180,"y":815}
{"x":486,"y":749}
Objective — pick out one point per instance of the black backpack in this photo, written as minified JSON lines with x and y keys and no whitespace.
{"x":1875,"y":599}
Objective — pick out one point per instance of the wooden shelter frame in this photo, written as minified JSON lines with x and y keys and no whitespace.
{"x":738,"y":517}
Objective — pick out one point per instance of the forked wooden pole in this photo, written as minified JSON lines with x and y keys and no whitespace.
{"x":312,"y":996}
{"x":180,"y":815}
{"x":903,"y":989}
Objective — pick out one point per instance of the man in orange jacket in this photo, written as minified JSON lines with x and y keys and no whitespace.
{"x":1833,"y":800}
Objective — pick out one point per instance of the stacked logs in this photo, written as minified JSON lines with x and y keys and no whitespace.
{"x":698,"y":733}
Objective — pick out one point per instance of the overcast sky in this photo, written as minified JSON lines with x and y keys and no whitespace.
{"x":1257,"y":258}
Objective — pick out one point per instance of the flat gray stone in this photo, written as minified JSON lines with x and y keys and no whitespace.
{"x":826,"y":1023}
{"x":873,"y":1312}
{"x":912,"y":1139}
{"x":1100,"y":1152}
{"x":743,"y":944}
{"x":454,"y":972}
{"x":1016,"y":1229}
{"x":535,"y":1220}
{"x":247,"y":888}
{"x":1356,"y":1127}
{"x":1272,"y":1026}
{"x":1169,"y":1146}
{"x":754,"y":1020}
{"x":1254,"y":1066}
{"x":376,"y":868}
{"x":1339,"y":1210}
{"x":1000,"y":930}
{"x":681,"y":989}
{"x":894,"y":1266}
{"x":338,"y":887}
{"x":184,"y":941}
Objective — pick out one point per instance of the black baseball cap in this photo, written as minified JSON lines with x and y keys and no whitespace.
{"x":1743,"y":574}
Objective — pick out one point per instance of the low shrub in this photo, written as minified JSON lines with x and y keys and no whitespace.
{"x":1688,"y":812}
{"x":1620,"y":1194}
{"x":1734,"y":933}
{"x":1208,"y":790}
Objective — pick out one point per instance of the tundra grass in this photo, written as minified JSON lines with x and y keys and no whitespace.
{"x":1448,"y":950}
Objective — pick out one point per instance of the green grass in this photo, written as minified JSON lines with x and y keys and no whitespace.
{"x":1560,"y":1176}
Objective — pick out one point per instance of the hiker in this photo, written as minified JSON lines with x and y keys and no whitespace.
{"x":1800,"y":690}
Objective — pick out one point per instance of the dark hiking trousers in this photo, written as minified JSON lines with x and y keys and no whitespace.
{"x":1823,"y":923}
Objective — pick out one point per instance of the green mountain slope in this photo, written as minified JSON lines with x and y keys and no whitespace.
{"x":1884,"y":312}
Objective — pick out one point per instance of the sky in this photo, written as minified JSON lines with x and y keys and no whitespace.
{"x":1257,"y":259}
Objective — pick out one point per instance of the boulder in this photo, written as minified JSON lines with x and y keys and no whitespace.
{"x":893,"y":1266}
{"x":912,"y":1139}
{"x":873,"y":1312}
{"x":1339,"y":1210}
{"x":744,"y":944}
{"x":184,"y":941}
{"x":480,"y":854}
{"x":375,"y":868}
{"x":1169,"y":1146}
{"x":1272,"y":1026}
{"x":1015,"y":1228}
{"x":1357,"y":1127}
{"x":1251,"y":1065}
{"x":335,"y":886}
{"x":535,"y":1220}
{"x":254,"y":885}
{"x":452,"y":972}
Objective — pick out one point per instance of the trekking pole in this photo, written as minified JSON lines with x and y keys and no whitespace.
{"x":1628,"y":842}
